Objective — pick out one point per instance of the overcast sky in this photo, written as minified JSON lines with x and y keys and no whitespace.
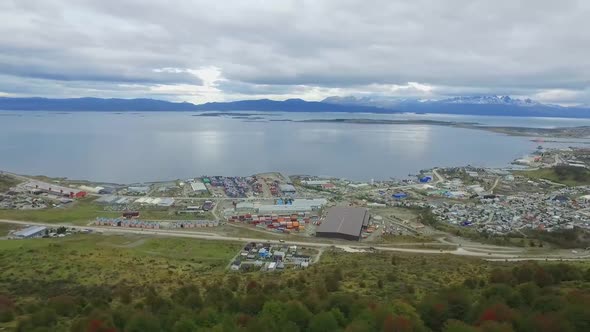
{"x":201,"y":51}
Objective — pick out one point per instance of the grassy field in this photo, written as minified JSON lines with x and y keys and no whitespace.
{"x":5,"y":228}
{"x":403,"y":274}
{"x":568,"y":175}
{"x":162,"y":262}
{"x":79,"y":213}
{"x":101,"y":259}
{"x":150,"y":214}
{"x":6,"y":182}
{"x":83,"y":211}
{"x":66,"y":284}
{"x":392,"y":239}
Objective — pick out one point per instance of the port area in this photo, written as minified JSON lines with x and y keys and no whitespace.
{"x":532,"y":206}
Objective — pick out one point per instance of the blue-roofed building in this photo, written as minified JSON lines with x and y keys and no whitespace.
{"x":263,"y":253}
{"x":400,"y":195}
{"x":425,"y":179}
{"x":30,"y":232}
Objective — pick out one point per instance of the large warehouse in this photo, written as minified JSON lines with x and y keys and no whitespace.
{"x":344,"y":223}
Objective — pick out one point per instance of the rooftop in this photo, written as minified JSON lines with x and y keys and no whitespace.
{"x":287,"y":188}
{"x":198,"y":186}
{"x":345,"y":220}
{"x":29,"y":231}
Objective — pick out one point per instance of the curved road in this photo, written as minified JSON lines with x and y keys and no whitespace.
{"x":439,"y":177}
{"x":348,"y":248}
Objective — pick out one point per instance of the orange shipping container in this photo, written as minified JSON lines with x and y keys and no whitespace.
{"x":281,"y":219}
{"x":296,"y":224}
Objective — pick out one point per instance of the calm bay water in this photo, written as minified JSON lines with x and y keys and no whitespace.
{"x":135,"y":147}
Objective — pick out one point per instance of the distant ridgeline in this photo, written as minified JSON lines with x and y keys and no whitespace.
{"x":487,"y":105}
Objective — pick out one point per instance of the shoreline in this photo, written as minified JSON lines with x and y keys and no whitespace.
{"x":558,"y":132}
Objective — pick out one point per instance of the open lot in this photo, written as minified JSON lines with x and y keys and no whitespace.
{"x":79,"y":213}
{"x":71,"y":283}
{"x":6,"y":182}
{"x":101,"y":259}
{"x":568,"y":175}
{"x":83,"y":211}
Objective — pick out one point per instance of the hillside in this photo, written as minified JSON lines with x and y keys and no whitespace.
{"x":470,"y":105}
{"x":147,"y":105}
{"x":143,"y":284}
{"x":568,"y":175}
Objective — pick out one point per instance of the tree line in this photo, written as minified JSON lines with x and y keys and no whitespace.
{"x":528,"y":297}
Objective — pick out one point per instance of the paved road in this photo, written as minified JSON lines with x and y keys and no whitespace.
{"x":353,"y":247}
{"x":439,"y":178}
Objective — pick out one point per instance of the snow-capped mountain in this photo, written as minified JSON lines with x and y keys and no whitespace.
{"x":489,"y":100}
{"x":375,"y":101}
{"x":388,"y":102}
{"x":467,"y":105}
{"x":472,"y":105}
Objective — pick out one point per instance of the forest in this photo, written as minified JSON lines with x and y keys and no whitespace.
{"x":182,"y":285}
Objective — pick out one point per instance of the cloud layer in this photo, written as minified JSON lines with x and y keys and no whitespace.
{"x":225,"y":50}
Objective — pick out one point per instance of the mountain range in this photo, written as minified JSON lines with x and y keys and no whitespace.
{"x":464,"y":105}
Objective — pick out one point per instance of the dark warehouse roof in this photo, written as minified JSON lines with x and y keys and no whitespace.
{"x":345,"y":220}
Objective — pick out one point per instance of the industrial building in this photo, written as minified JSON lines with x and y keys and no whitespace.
{"x":344,"y":223}
{"x":287,"y":189}
{"x":297,"y":205}
{"x":198,"y":186}
{"x":138,"y":190}
{"x":38,"y":187}
{"x":246,"y":206}
{"x":159,"y":201}
{"x":30,"y":232}
{"x":315,"y":183}
{"x":94,"y":190}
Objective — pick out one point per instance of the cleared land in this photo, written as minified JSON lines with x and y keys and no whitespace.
{"x":100,"y":260}
{"x":83,"y":211}
{"x":5,"y":228}
{"x":6,"y":182}
{"x":79,"y":213}
{"x":568,"y":175}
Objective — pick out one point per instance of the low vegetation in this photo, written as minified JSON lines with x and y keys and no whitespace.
{"x":82,"y":211}
{"x":5,"y":228}
{"x":7,"y":182}
{"x":79,"y":212}
{"x":565,"y":238}
{"x":114,"y":283}
{"x":568,"y":175}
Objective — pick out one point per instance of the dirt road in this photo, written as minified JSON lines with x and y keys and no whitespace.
{"x":349,"y":247}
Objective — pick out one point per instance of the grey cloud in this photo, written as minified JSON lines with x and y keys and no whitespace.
{"x":281,"y":47}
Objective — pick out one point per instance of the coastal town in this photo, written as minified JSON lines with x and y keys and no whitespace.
{"x":544,"y":192}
